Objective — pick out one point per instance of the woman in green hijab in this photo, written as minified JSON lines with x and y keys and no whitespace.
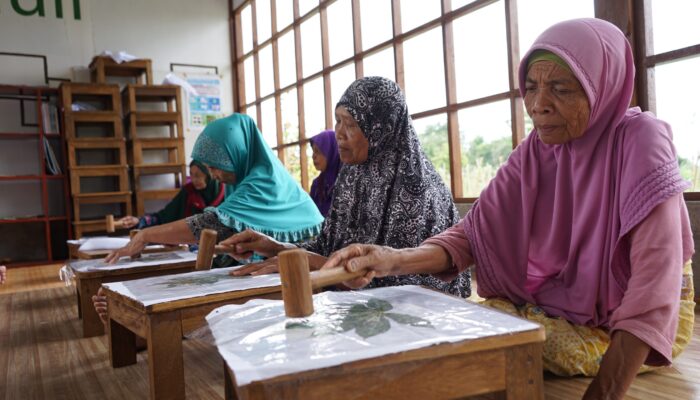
{"x":260,"y":193}
{"x":202,"y":191}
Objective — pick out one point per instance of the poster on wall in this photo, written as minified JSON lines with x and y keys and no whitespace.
{"x":204,"y":107}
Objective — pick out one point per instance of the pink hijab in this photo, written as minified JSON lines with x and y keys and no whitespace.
{"x":549,"y":229}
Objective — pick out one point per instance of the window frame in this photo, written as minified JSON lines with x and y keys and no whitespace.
{"x":631,"y":17}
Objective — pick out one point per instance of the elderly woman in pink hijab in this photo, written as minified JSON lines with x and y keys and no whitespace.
{"x":584,"y":228}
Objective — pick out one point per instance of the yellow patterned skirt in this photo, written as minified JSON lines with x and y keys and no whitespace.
{"x":578,"y":350}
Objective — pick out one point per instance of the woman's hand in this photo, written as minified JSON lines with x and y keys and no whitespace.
{"x":99,"y":301}
{"x":245,"y":243}
{"x":379,"y":261}
{"x":127,"y":222}
{"x":269,"y":266}
{"x":3,"y":274}
{"x":135,"y":246}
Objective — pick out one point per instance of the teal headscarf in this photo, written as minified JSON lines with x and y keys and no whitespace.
{"x":265,"y":197}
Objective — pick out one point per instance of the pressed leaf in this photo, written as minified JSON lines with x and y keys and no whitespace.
{"x":409,"y":320}
{"x":298,"y":325}
{"x":373,"y":326}
{"x":378,"y":304}
{"x":195,"y":280}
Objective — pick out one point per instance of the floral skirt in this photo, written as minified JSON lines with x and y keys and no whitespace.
{"x":578,"y":350}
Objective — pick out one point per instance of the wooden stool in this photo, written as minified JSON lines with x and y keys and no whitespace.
{"x":102,"y":66}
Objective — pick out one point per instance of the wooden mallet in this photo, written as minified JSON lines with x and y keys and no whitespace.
{"x":207,"y":249}
{"x":298,"y":283}
{"x":111,"y":225}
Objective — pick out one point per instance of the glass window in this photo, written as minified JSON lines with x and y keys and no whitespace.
{"x":424,"y":71}
{"x":340,"y":80}
{"x":314,"y":107}
{"x":290,"y":116}
{"x":252,"y":112}
{"x":247,"y":29}
{"x":292,"y":161}
{"x":285,"y":13}
{"x":287,"y":59}
{"x":432,"y":134}
{"x":486,"y":140}
{"x":267,"y":79}
{"x":674,"y":81}
{"x":534,"y":16}
{"x":264,"y":24}
{"x":481,"y":65}
{"x":249,"y":71}
{"x":670,"y":18}
{"x":306,"y":6}
{"x":380,"y":63}
{"x":311,"y":60}
{"x":269,"y":122}
{"x":340,"y":39}
{"x":375,"y":22}
{"x":413,"y":16}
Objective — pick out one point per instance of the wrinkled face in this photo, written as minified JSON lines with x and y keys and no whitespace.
{"x":353,"y":146}
{"x":222,"y":176}
{"x":320,"y":162}
{"x":556,"y":102}
{"x":199,"y":179}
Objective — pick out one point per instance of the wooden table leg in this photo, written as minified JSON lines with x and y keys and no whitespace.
{"x":122,"y":345}
{"x":165,"y":360}
{"x":229,"y":387}
{"x":92,"y":325}
{"x":524,"y":372}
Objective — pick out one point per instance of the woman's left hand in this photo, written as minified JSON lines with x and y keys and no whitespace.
{"x":135,"y":246}
{"x":269,"y":266}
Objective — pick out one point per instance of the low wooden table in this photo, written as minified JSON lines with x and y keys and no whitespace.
{"x":163,"y":324}
{"x":506,"y":359}
{"x":74,"y":252}
{"x":88,"y":282}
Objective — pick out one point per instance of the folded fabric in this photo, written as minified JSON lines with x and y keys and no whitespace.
{"x":103,"y":243}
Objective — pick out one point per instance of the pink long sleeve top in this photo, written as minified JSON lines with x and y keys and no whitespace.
{"x":649,"y":308}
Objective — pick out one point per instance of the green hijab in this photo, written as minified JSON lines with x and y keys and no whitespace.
{"x":265,"y":197}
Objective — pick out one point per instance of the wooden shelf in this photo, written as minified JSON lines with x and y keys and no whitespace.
{"x":158,"y":169}
{"x":48,"y":229}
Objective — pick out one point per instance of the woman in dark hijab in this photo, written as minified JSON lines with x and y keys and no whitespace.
{"x":202,"y":191}
{"x":327,"y":161}
{"x":387,"y":193}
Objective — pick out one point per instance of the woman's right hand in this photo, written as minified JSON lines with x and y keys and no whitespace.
{"x":127,"y":222}
{"x":135,"y":246}
{"x":245,"y":243}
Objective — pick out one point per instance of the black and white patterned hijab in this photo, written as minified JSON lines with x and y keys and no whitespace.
{"x":395,"y":198}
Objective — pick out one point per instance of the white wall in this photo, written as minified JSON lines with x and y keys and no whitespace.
{"x":166,"y":31}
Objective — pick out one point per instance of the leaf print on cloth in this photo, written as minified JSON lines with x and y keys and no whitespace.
{"x":366,"y":320}
{"x":196,"y":280}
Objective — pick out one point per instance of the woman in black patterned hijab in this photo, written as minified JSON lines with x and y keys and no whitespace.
{"x":387,"y":192}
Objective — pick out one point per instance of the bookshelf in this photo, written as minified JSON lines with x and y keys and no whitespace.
{"x":35,"y":211}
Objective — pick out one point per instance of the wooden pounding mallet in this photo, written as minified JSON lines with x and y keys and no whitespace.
{"x":298,"y":283}
{"x":111,"y":225}
{"x":207,"y":249}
